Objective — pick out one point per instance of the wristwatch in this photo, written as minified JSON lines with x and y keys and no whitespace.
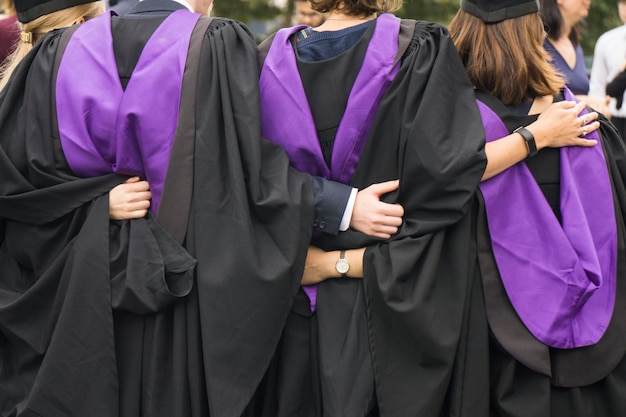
{"x":342,"y":265}
{"x":529,"y":139}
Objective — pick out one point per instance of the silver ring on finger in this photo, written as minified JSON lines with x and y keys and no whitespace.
{"x":584,"y":130}
{"x":584,"y":120}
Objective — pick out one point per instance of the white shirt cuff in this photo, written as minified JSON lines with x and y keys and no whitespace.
{"x":347,"y":214}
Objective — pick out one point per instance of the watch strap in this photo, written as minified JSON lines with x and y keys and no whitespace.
{"x":529,"y":138}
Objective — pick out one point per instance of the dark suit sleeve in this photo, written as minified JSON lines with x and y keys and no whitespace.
{"x":331,"y":199}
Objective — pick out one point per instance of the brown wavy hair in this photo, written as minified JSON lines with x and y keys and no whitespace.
{"x":507,"y":58}
{"x":356,"y":7}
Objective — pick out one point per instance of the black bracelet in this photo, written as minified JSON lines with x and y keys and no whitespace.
{"x":530,"y":140}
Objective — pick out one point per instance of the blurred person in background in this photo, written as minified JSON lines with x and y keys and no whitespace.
{"x":305,"y":15}
{"x":9,"y":30}
{"x":562,"y":24}
{"x":607,"y":71}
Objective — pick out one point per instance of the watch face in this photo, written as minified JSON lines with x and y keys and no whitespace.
{"x":342,"y":266}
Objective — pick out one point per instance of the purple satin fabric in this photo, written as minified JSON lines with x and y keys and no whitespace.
{"x":559,"y":278}
{"x":104,"y":128}
{"x":287,"y":119}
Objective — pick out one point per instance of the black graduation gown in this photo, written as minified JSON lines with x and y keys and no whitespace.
{"x":410,"y":338}
{"x":82,"y":333}
{"x":527,"y":377}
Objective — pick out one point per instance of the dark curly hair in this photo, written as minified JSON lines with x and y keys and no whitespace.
{"x":356,"y":7}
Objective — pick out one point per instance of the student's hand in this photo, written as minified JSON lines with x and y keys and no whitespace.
{"x":557,"y":126}
{"x":129,"y":200}
{"x":562,"y":125}
{"x":373,"y":216}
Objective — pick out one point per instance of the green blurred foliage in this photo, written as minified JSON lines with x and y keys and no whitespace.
{"x":602,"y":16}
{"x":441,"y":11}
{"x":246,"y":10}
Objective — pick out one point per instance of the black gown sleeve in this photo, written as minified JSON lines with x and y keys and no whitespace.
{"x":249,"y":227}
{"x":419,"y":284}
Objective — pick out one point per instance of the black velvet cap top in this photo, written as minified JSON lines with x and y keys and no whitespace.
{"x":492,"y":11}
{"x":28,"y":10}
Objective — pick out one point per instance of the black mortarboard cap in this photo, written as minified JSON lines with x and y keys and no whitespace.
{"x":492,"y":11}
{"x":28,"y":10}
